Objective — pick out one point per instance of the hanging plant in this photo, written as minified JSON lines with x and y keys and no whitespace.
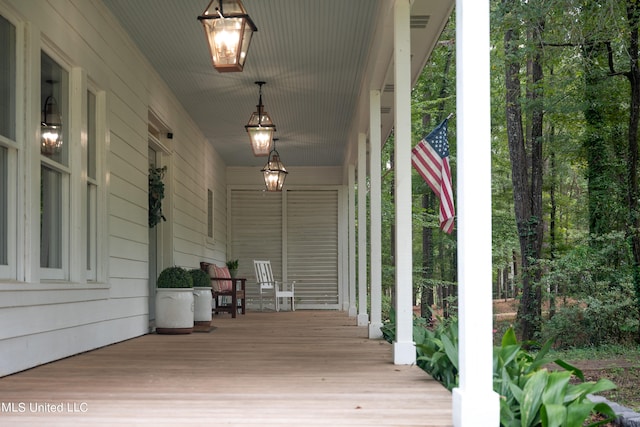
{"x":156,"y":194}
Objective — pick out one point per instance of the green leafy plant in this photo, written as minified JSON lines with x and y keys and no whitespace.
{"x":156,"y":194}
{"x":200,"y":278}
{"x":174,"y":277}
{"x":232,"y":264}
{"x":437,"y":352}
{"x":532,"y":396}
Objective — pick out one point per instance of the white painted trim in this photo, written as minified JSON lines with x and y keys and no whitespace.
{"x":69,"y":172}
{"x":474,"y":401}
{"x":9,"y":270}
{"x":363,"y":317}
{"x":404,"y":352}
{"x":31,"y":156}
{"x":375,"y":202}
{"x":103,"y":145}
{"x":14,"y":218}
{"x":342,"y":241}
{"x":353,"y":310}
{"x":284,"y":225}
{"x":77,"y":141}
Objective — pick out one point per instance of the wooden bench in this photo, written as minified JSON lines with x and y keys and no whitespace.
{"x":236,"y":295}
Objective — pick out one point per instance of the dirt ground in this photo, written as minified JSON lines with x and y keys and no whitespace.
{"x":623,"y":371}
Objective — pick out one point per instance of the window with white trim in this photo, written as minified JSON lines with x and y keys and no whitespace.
{"x":55,"y":171}
{"x":8,"y":147}
{"x":4,"y":209}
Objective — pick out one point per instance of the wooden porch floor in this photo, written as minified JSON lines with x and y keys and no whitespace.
{"x":263,"y":369}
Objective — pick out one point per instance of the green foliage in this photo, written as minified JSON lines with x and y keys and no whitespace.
{"x":232,"y":264}
{"x":598,"y":307}
{"x":388,"y":328}
{"x":530,"y":395}
{"x":156,"y":194}
{"x":437,"y":352}
{"x":174,"y":277}
{"x":200,"y":278}
{"x":608,"y":319}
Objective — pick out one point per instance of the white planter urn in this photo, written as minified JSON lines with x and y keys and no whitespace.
{"x":174,"y":310}
{"x":202,"y":306}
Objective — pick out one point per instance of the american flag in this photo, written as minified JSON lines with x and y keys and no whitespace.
{"x":430,"y":157}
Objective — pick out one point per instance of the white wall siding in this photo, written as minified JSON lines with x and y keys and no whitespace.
{"x":44,"y":321}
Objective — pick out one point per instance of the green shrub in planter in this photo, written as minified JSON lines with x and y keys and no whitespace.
{"x":200,"y":278}
{"x":174,"y":277}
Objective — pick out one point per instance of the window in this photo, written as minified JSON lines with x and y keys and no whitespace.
{"x":50,"y":218}
{"x":7,"y":79}
{"x":92,"y":188}
{"x":55,"y":173}
{"x":210,"y":214}
{"x":7,"y":147}
{"x":4,"y":259}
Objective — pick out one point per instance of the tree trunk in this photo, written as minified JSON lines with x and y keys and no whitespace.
{"x":633,"y":11}
{"x":552,"y":224}
{"x":527,"y":190}
{"x":595,"y":144}
{"x":427,"y":261}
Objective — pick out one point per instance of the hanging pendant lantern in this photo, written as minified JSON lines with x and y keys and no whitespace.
{"x":260,"y":129}
{"x":228,"y":29}
{"x":274,"y":171}
{"x":51,"y":127}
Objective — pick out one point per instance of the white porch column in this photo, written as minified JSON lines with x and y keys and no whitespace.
{"x":404,"y":349}
{"x":375,"y":202}
{"x":474,"y":401}
{"x":363,"y":317}
{"x":351,"y":180}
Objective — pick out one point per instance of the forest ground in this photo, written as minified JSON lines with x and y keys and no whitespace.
{"x":621,"y":366}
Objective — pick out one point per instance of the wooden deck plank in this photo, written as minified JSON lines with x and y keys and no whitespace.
{"x":305,"y":368}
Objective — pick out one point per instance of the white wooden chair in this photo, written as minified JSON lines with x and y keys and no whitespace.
{"x":268,"y":286}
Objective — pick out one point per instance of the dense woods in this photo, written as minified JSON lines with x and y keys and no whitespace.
{"x":566,"y":221}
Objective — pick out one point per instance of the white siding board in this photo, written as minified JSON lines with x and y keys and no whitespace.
{"x":129,"y":288}
{"x":19,"y":354}
{"x":126,"y":229}
{"x":122,"y":168}
{"x":129,"y":208}
{"x":121,"y":267}
{"x":188,"y":248}
{"x":127,"y":190}
{"x":129,"y":249}
{"x":122,"y":137}
{"x":51,"y":317}
{"x":36,"y":297}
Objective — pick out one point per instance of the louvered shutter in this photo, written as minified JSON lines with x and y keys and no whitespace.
{"x":312,"y":247}
{"x":256,"y":233}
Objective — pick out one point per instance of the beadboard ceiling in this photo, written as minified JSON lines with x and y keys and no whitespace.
{"x":316,"y":58}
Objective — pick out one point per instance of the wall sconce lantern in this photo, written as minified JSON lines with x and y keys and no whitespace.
{"x":260,"y":129}
{"x":51,"y":127}
{"x":274,"y":171}
{"x":228,"y":29}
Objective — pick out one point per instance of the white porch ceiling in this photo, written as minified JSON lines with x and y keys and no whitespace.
{"x":317,"y":57}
